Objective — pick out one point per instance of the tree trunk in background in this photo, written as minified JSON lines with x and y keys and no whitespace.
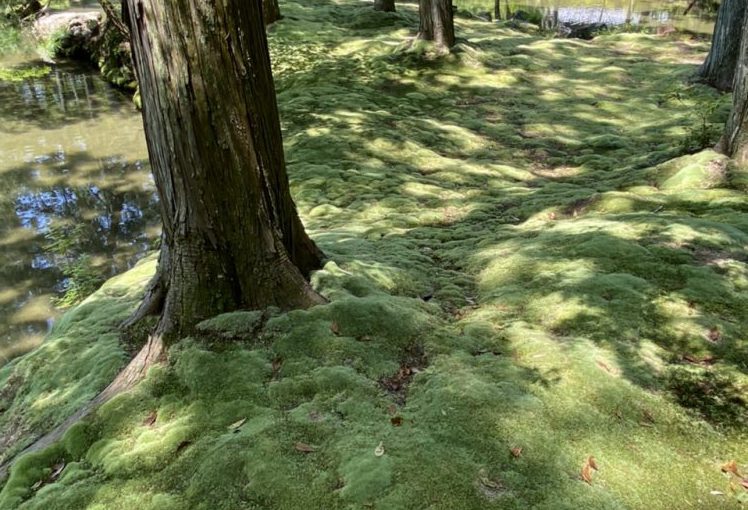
{"x":271,"y":11}
{"x":384,"y":5}
{"x":718,"y":69}
{"x":232,"y":238}
{"x":437,"y":22}
{"x":497,"y":10}
{"x":736,"y":131}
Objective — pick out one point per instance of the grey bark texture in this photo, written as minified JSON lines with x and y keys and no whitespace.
{"x":718,"y":70}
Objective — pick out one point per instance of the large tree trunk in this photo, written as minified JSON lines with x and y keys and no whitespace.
{"x":736,"y":131}
{"x":437,"y":22}
{"x":271,"y":11}
{"x":384,"y":5}
{"x":232,"y":238}
{"x":718,"y":69}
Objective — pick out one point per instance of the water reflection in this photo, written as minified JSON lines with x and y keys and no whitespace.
{"x":77,"y":202}
{"x":644,"y":13}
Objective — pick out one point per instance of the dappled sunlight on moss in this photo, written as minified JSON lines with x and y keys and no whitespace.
{"x":520,"y":257}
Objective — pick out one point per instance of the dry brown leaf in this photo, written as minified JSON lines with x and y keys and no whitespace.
{"x":587,"y":474}
{"x":731,"y":467}
{"x":589,"y":465}
{"x":592,"y":463}
{"x":516,"y":452}
{"x":150,"y":419}
{"x":304,"y":448}
{"x":396,"y":420}
{"x":335,"y":328}
{"x":744,"y":483}
{"x":237,"y":425}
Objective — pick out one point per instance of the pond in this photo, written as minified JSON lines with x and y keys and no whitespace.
{"x":636,"y":13}
{"x":77,"y":201}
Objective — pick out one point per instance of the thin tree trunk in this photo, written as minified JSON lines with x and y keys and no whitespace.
{"x":497,"y":10}
{"x":271,"y":11}
{"x":437,"y":22}
{"x":384,"y":5}
{"x":736,"y":131}
{"x":718,"y":70}
{"x":232,"y":238}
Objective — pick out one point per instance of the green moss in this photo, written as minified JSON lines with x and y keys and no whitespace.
{"x":521,"y":257}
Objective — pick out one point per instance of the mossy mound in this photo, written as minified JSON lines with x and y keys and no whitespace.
{"x":528,"y":272}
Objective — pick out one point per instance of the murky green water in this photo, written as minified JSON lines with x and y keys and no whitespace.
{"x":77,"y":203}
{"x":644,"y":13}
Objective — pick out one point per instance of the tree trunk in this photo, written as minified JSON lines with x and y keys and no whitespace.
{"x":497,"y":10}
{"x":736,"y":131}
{"x":384,"y":5}
{"x":232,"y":238}
{"x":718,"y":70}
{"x":271,"y":11}
{"x":437,"y":22}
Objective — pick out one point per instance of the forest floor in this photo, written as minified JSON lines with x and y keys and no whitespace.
{"x":538,"y":288}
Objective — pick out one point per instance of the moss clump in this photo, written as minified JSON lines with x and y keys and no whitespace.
{"x":532,"y":265}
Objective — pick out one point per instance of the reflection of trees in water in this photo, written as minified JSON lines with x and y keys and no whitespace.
{"x":67,"y":227}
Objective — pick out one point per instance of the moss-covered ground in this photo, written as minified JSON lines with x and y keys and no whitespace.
{"x":532,"y":264}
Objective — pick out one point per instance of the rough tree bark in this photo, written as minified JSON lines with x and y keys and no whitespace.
{"x":271,"y":11}
{"x":718,"y":69}
{"x":384,"y":5}
{"x":232,"y":238}
{"x":437,"y":22}
{"x":735,"y":141}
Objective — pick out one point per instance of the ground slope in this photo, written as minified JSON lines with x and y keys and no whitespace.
{"x":526,"y":272}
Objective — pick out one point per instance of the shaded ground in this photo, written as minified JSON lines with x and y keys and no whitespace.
{"x":522,"y":277}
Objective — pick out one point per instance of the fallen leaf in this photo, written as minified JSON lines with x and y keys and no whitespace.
{"x":396,"y":420}
{"x":731,"y":467}
{"x":237,"y":425}
{"x":150,"y":419}
{"x":379,"y":450}
{"x":57,"y":470}
{"x":305,"y":448}
{"x":589,"y":465}
{"x":744,"y":483}
{"x":592,"y":463}
{"x":516,"y":452}
{"x":714,"y":335}
{"x":335,"y":328}
{"x":716,"y":493}
{"x":587,"y":474}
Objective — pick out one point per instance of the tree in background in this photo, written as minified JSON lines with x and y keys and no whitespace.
{"x":719,"y":67}
{"x":437,"y":22}
{"x":232,"y":238}
{"x":271,"y":11}
{"x":497,"y":10}
{"x":735,"y":142}
{"x":384,"y":5}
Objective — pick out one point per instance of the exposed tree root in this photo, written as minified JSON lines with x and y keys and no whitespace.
{"x":152,"y":352}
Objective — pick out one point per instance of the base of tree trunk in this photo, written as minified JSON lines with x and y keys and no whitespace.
{"x":384,"y":5}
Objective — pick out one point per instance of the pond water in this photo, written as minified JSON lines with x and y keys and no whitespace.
{"x":77,"y":201}
{"x":637,"y":13}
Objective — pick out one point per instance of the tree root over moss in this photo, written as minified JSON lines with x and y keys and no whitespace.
{"x":152,"y":352}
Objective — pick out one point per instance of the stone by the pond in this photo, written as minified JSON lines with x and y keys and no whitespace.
{"x":585,"y":31}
